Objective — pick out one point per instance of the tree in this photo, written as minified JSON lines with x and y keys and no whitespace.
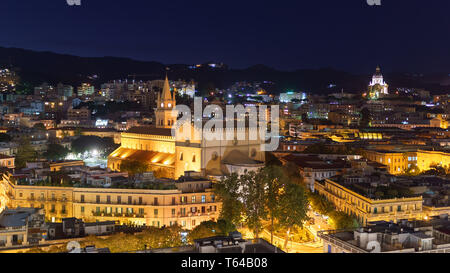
{"x":272,"y":178}
{"x":208,"y":229}
{"x":342,"y":220}
{"x":56,"y":152}
{"x":5,"y":137}
{"x":253,"y":199}
{"x":133,"y":167}
{"x":435,"y":170}
{"x":412,"y":170}
{"x":293,"y":208}
{"x":320,"y":203}
{"x":227,"y":191}
{"x":25,"y":153}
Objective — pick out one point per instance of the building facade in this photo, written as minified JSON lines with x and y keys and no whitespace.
{"x":188,"y":204}
{"x":369,"y":210}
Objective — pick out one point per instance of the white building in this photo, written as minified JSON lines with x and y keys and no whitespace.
{"x":378,"y":86}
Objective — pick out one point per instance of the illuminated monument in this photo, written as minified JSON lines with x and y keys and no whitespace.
{"x":377,"y":86}
{"x":169,"y":156}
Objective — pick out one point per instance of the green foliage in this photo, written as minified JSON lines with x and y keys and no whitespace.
{"x":56,"y":152}
{"x":133,"y":167}
{"x":342,"y":220}
{"x":320,"y":203}
{"x":227,"y":191}
{"x":25,"y":153}
{"x":151,"y":237}
{"x":413,"y":170}
{"x":209,"y":229}
{"x":436,"y":170}
{"x":269,"y":193}
{"x":293,"y":208}
{"x":254,"y":200}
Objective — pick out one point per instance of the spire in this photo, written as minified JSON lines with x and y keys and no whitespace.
{"x":378,"y":71}
{"x":166,"y":95}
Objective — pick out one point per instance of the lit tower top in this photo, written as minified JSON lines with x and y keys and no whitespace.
{"x":165,"y":104}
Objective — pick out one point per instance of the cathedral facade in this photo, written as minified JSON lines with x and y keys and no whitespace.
{"x":378,"y":87}
{"x":171,"y":155}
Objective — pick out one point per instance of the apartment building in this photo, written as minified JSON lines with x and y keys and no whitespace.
{"x":188,"y":202}
{"x":369,"y":209}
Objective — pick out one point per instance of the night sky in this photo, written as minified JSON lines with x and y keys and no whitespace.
{"x":400,"y":35}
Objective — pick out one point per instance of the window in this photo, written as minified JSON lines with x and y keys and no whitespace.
{"x":141,"y":211}
{"x":173,"y":200}
{"x":193,"y":199}
{"x":140,"y":200}
{"x":108,"y":199}
{"x":181,"y":156}
{"x":119,"y":199}
{"x":82,"y":209}
{"x":212,"y":198}
{"x":203,"y":198}
{"x":82,"y":198}
{"x":155,"y":212}
{"x":173,"y":212}
{"x":97,"y":199}
{"x":130,"y":199}
{"x":399,"y":208}
{"x":193,"y":158}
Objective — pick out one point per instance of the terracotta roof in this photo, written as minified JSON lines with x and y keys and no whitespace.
{"x":150,"y":157}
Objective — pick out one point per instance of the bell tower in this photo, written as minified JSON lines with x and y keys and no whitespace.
{"x":164,"y":106}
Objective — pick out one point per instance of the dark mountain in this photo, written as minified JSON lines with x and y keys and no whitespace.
{"x":36,"y":67}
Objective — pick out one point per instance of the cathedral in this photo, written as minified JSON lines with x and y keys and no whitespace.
{"x":377,"y":87}
{"x":171,"y":156}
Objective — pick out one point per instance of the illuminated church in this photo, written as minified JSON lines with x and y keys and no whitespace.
{"x":378,"y":87}
{"x":170,"y":157}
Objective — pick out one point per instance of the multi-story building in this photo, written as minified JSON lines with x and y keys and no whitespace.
{"x":79,"y":114}
{"x":385,"y":237}
{"x":399,"y":161}
{"x":186,"y":202}
{"x":6,"y":161}
{"x":85,"y":89}
{"x":21,"y":226}
{"x":368,"y":208}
